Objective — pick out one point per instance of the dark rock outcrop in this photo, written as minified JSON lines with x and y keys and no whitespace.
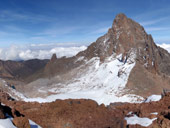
{"x":2,"y":113}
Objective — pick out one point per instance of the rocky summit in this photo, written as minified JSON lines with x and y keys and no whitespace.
{"x":115,"y":83}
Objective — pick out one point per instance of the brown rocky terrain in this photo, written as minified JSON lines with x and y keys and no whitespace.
{"x":86,"y":113}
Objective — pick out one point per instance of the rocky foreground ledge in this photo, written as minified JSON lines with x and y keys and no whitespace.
{"x":87,"y":114}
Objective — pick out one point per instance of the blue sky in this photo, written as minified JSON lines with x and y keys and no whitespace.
{"x":76,"y":22}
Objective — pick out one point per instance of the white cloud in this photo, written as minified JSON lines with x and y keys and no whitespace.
{"x":11,"y":15}
{"x":58,"y":30}
{"x":157,"y":28}
{"x":45,"y":51}
{"x":154,"y":21}
{"x":40,"y":51}
{"x":165,"y":46}
{"x":101,"y":30}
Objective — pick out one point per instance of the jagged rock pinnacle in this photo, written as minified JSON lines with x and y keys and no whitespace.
{"x":120,"y":18}
{"x":121,"y":15}
{"x":54,"y":57}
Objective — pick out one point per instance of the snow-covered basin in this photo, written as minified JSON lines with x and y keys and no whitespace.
{"x":102,"y":82}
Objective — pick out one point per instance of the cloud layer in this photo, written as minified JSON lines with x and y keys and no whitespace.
{"x":39,"y":51}
{"x":165,"y":46}
{"x":45,"y":51}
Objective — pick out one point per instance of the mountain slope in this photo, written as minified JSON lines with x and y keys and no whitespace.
{"x":124,"y":36}
{"x":20,"y":69}
{"x":122,"y":65}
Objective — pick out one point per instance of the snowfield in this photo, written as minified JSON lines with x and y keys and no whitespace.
{"x":103,"y":82}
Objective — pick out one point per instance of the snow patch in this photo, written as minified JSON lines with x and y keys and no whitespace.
{"x":105,"y":40}
{"x":80,"y":59}
{"x":133,"y":120}
{"x":33,"y":124}
{"x":6,"y":123}
{"x":153,"y":98}
{"x":154,"y":113}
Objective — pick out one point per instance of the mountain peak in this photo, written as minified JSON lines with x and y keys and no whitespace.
{"x":126,"y":36}
{"x":120,"y":16}
{"x":120,"y":19}
{"x":127,"y":33}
